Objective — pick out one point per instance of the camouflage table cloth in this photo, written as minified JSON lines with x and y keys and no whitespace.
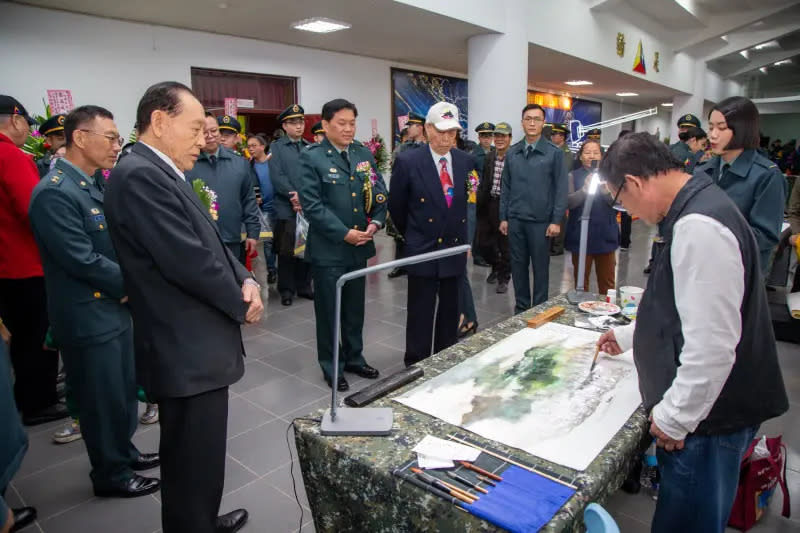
{"x":349,"y":480}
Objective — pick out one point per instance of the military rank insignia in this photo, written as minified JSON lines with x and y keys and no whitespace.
{"x":380,"y":198}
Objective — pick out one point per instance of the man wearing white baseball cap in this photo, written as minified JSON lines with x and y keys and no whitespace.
{"x":428,"y":204}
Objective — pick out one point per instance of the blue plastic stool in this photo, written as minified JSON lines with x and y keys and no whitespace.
{"x":598,"y":520}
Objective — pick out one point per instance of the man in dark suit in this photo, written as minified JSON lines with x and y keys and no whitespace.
{"x":428,"y":204}
{"x":86,"y":301}
{"x":188,"y":297}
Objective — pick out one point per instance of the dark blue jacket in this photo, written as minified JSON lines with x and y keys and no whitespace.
{"x":534,"y":189}
{"x":603,"y":229}
{"x":14,"y":440}
{"x":757,"y":186}
{"x":419,"y":210}
{"x":233,"y":179}
{"x":83,"y":277}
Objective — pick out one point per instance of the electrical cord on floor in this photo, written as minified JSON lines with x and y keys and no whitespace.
{"x":291,"y":465}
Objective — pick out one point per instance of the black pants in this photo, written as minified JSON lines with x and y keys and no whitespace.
{"x":421,"y":331}
{"x":102,"y":380}
{"x":23,"y":308}
{"x":193,"y":438}
{"x":625,"y":230}
{"x":493,"y":244}
{"x":239,"y":251}
{"x":294,"y":274}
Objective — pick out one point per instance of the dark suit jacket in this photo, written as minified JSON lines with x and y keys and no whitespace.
{"x":183,"y":283}
{"x":419,"y":210}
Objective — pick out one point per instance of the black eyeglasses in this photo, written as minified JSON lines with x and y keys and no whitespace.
{"x":110,"y":136}
{"x":615,"y":201}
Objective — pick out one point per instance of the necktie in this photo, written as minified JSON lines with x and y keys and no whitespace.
{"x":528,"y":151}
{"x":345,"y":157}
{"x":297,"y":145}
{"x":447,"y":182}
{"x":213,"y":160}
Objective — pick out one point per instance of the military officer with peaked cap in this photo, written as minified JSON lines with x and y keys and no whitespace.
{"x":344,"y":198}
{"x":294,"y":274}
{"x":229,"y":130}
{"x":681,"y":149}
{"x":53,"y":131}
{"x":318,"y":132}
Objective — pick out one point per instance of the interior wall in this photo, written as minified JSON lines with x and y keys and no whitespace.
{"x":111,"y":63}
{"x":783,"y":126}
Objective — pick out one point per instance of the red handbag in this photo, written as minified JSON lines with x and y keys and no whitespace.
{"x":757,"y":481}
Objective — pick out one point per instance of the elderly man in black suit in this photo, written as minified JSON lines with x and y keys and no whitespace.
{"x":188,"y":297}
{"x":428,"y":204}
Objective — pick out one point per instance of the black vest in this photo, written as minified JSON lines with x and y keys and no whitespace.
{"x":754,"y":391}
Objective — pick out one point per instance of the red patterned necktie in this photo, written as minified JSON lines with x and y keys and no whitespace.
{"x":447,"y":182}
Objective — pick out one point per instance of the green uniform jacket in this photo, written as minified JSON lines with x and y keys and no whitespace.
{"x":681,"y":152}
{"x":43,"y":164}
{"x":333,"y":200}
{"x":284,"y":170}
{"x":82,"y":277}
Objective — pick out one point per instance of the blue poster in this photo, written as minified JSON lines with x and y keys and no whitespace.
{"x":582,"y":111}
{"x":418,"y":91}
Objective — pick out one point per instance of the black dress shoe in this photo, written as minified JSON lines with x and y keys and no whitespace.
{"x":502,"y":287}
{"x":23,"y":517}
{"x":647,"y":269}
{"x":286,"y":301}
{"x":492,"y":278}
{"x":397,"y":272}
{"x":365,"y":371}
{"x":272,"y":277}
{"x":61,"y":390}
{"x":132,"y":488}
{"x":146,"y":461}
{"x":480,"y":261}
{"x":308,"y":295}
{"x":232,"y":522}
{"x":54,"y":412}
{"x":341,"y":383}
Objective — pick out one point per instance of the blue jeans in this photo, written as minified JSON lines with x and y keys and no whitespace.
{"x":698,"y":483}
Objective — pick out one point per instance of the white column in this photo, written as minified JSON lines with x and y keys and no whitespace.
{"x":498,"y":71}
{"x":690,"y":104}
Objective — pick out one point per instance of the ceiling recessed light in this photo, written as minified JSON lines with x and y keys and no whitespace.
{"x":579,"y":82}
{"x":768,"y":44}
{"x":627,"y":94}
{"x":763,"y":70}
{"x":666,"y":104}
{"x":783,"y":62}
{"x":724,"y":38}
{"x":745,"y":54}
{"x":320,"y":25}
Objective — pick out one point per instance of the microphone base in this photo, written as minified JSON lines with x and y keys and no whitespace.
{"x":366,"y":421}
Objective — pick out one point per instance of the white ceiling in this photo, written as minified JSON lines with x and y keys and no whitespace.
{"x":380,"y":28}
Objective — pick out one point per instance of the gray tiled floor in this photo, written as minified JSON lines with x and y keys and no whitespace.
{"x":282,"y":380}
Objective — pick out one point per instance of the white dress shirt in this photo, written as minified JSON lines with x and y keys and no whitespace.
{"x":708,"y":276}
{"x":166,"y":159}
{"x":437,"y":157}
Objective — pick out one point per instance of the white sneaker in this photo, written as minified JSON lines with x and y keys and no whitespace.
{"x":69,"y":433}
{"x":150,"y":416}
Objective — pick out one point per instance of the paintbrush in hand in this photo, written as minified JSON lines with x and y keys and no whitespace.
{"x":594,"y":360}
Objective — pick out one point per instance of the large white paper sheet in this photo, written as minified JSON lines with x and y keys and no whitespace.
{"x":533,"y":391}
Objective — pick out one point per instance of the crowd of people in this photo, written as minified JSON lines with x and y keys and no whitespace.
{"x":137,"y":278}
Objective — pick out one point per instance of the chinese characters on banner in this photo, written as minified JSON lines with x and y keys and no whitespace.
{"x":231,"y":107}
{"x":402,"y":120}
{"x":60,"y":101}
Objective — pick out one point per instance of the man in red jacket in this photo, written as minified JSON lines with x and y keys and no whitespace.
{"x":23,"y":305}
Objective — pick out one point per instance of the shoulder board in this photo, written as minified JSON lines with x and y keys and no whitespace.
{"x":357,"y":142}
{"x":313,"y":146}
{"x":762,"y":161}
{"x":551,"y":143}
{"x":54,"y":178}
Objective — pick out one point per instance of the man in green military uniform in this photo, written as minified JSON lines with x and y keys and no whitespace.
{"x":558,"y":136}
{"x":53,"y":131}
{"x":344,"y":198}
{"x":294,"y":274}
{"x":681,"y":149}
{"x":87,"y":307}
{"x":485,"y":131}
